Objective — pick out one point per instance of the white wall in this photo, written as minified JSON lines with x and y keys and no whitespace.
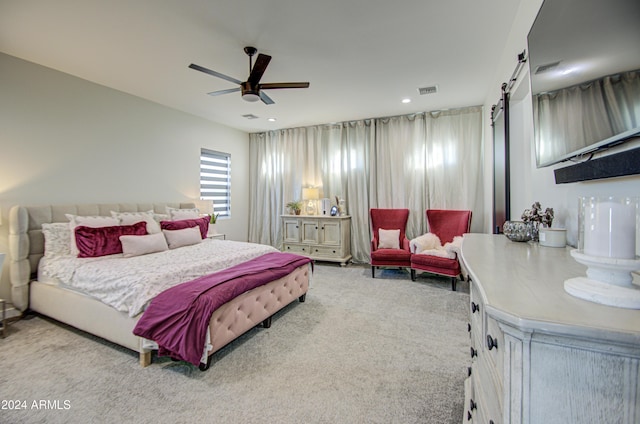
{"x":528,"y":183}
{"x":67,"y":140}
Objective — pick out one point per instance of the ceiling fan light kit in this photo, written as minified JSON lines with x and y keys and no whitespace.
{"x":251,"y":89}
{"x":248,"y":93}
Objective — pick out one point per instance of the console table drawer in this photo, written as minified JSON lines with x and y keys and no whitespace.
{"x":297,"y":248}
{"x":327,"y":251}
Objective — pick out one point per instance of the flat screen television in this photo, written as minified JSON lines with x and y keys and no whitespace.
{"x":584,"y":64}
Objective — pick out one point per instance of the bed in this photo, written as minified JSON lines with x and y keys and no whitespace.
{"x":116,"y":323}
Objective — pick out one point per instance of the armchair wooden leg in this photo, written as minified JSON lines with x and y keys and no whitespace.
{"x":413,"y":274}
{"x":373,"y":271}
{"x":453,"y":283}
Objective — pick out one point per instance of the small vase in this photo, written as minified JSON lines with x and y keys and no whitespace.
{"x":212,"y":230}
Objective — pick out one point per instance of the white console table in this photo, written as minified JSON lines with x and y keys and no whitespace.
{"x":323,"y":238}
{"x":538,"y":354}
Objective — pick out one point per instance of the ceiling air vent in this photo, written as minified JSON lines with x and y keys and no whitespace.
{"x":250,"y":116}
{"x":544,"y":68}
{"x":428,"y":90}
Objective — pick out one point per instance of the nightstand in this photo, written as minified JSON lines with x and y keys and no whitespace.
{"x":3,"y":317}
{"x":217,"y":236}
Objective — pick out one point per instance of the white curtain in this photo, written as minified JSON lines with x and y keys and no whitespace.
{"x":420,"y":161}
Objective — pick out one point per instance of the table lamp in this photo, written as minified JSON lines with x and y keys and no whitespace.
{"x":311,"y":195}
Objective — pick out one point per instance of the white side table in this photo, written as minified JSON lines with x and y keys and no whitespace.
{"x":217,"y":236}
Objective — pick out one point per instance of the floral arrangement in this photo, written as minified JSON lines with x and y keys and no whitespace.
{"x":214,"y":218}
{"x":536,"y":215}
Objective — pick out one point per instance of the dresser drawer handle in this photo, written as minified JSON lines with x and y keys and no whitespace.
{"x":469,"y":327}
{"x":474,"y":353}
{"x":469,"y":416}
{"x":468,"y":371}
{"x":474,"y":307}
{"x":492,"y":342}
{"x":472,"y":404}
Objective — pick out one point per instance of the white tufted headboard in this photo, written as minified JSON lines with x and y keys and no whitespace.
{"x":26,"y":242}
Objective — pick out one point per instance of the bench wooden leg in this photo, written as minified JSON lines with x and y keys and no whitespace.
{"x":145,"y":358}
{"x":267,"y":323}
{"x":204,"y":367}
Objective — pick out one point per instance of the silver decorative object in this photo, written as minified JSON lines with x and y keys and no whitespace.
{"x":518,"y":230}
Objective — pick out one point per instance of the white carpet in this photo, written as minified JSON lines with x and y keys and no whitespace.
{"x":359,"y":350}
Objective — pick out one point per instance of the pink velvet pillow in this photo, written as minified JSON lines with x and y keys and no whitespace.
{"x":102,"y":241}
{"x":203,"y":223}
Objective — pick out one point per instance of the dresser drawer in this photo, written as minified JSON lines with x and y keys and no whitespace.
{"x":487,"y":395}
{"x":469,"y":402}
{"x":494,"y":345}
{"x":476,"y":309}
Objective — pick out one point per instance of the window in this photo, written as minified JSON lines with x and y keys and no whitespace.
{"x":215,"y":180}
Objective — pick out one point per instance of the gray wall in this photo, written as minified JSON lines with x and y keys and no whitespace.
{"x":67,"y":140}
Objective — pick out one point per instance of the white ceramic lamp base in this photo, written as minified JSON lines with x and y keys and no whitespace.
{"x":608,"y":282}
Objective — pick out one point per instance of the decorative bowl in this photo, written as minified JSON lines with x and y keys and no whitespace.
{"x":518,"y":230}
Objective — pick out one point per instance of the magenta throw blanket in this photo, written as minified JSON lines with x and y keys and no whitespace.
{"x":177,"y":319}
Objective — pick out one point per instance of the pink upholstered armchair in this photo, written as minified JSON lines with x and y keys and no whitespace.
{"x":446,"y":224}
{"x":389,"y":244}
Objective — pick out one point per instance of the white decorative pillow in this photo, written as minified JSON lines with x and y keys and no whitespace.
{"x":56,"y":239}
{"x":87,"y":221}
{"x":130,"y":218}
{"x":389,"y":239}
{"x":184,"y":237}
{"x":141,"y":245}
{"x":179,"y":214}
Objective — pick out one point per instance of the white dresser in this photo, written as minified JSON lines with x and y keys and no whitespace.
{"x":324,"y":238}
{"x":539,"y":355}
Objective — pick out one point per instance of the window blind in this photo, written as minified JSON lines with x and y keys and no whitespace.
{"x":215,"y":180}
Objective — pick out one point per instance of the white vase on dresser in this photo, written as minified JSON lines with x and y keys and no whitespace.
{"x":538,"y":354}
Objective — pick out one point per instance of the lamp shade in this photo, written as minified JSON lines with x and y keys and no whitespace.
{"x":310,"y":193}
{"x":205,"y":206}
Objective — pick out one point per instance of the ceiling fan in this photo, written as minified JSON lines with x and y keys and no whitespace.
{"x":251,"y":88}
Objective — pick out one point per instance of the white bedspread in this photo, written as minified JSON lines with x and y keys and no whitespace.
{"x":129,"y":284}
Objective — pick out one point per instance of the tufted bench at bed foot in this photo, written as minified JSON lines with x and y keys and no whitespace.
{"x":250,"y":309}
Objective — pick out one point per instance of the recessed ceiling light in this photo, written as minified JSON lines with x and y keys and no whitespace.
{"x":406,"y":100}
{"x":271,"y":119}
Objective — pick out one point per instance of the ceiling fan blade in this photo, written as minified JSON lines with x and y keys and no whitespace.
{"x":258,"y":69}
{"x":219,"y":92}
{"x":266,"y":99}
{"x":272,"y":85}
{"x":214,"y":73}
